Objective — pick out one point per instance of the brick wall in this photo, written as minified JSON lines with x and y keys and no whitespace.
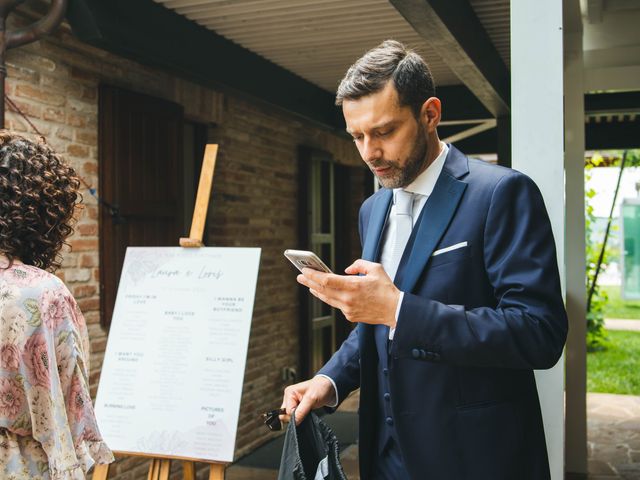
{"x":254,"y":202}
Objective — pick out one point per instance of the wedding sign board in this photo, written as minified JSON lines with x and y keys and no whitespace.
{"x":174,"y":365}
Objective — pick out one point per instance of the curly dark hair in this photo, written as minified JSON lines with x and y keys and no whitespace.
{"x":38,"y":196}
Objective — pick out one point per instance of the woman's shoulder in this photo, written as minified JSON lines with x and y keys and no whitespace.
{"x":32,"y":297}
{"x":31,"y":278}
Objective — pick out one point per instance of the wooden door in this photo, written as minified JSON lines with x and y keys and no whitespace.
{"x":140,"y":169}
{"x":316,"y":233}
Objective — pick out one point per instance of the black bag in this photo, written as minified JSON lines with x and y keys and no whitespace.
{"x":310,"y":451}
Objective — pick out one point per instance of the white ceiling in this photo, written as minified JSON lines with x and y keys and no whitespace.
{"x":319,"y":40}
{"x":611,"y":43}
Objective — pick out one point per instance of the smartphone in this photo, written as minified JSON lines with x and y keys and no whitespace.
{"x":304,"y":258}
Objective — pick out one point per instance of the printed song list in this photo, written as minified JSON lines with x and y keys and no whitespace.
{"x":174,"y":364}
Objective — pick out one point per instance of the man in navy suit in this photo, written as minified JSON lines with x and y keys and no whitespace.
{"x":456,"y":299}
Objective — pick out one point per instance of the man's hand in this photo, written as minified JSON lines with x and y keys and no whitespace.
{"x":370,"y":298}
{"x":307,"y":396}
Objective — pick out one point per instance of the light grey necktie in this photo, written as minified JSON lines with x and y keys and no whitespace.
{"x":404,"y":224}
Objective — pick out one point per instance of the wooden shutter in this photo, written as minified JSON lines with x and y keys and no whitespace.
{"x":140,"y":169}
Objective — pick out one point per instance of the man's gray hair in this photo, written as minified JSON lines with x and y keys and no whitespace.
{"x":390,"y":60}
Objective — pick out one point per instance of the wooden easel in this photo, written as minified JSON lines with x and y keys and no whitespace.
{"x":160,"y":467}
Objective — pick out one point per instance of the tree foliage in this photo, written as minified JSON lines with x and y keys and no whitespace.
{"x":596,"y":333}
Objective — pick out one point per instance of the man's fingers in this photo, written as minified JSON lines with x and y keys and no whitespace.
{"x":285,"y":418}
{"x":303,"y":409}
{"x":291,"y":400}
{"x":310,"y":283}
{"x":332,"y":301}
{"x":293,"y":395}
{"x":307,"y":282}
{"x":333,"y":286}
{"x":305,"y":396}
{"x":319,"y":278}
{"x":288,"y":405}
{"x":360,"y":266}
{"x":322,"y":281}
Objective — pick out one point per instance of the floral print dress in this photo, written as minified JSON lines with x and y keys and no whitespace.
{"x":48,"y":428}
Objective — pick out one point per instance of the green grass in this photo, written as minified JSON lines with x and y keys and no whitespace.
{"x":616,"y":307}
{"x":617,"y":369}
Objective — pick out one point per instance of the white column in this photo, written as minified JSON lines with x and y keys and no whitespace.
{"x":537,"y":150}
{"x":576,"y":367}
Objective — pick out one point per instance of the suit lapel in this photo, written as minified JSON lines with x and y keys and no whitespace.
{"x":379,"y":212}
{"x":437,"y":214}
{"x":434,"y":220}
{"x":371,"y":252}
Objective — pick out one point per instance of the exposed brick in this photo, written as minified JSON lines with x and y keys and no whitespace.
{"x":81,"y":291}
{"x":65,"y":133}
{"x":90,"y":167}
{"x":89,"y":304}
{"x":17,"y":123}
{"x":78,"y":150}
{"x":99,"y":345}
{"x":69,"y":260}
{"x":53,"y":114}
{"x":90,"y":260}
{"x":87,"y":229}
{"x":26,"y":74}
{"x":60,"y":84}
{"x":92,"y":318}
{"x":92,"y":211}
{"x":83,"y":245}
{"x":81,"y":105}
{"x":88,"y":137}
{"x":30,"y":60}
{"x":77,"y":120}
{"x":39,"y":95}
{"x":77,"y":275}
{"x":29,"y":109}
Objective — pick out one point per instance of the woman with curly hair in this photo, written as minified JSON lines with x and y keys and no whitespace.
{"x":48,"y":428}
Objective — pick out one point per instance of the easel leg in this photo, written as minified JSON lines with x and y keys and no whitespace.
{"x":189,"y":470}
{"x":216,"y":472}
{"x":100,"y":472}
{"x":159,"y":469}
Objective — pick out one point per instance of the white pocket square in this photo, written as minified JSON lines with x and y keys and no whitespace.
{"x":448,"y":249}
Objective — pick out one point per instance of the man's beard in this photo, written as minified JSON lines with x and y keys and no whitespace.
{"x":400,"y":177}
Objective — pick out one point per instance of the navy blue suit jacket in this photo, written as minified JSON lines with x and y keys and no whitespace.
{"x":474,"y":324}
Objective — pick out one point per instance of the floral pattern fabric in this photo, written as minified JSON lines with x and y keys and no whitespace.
{"x":48,"y":428}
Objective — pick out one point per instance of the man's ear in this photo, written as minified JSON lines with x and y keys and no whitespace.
{"x":430,"y":113}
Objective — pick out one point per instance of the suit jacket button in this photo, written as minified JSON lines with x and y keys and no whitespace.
{"x":388,"y":421}
{"x":415,"y":353}
{"x":387,"y":396}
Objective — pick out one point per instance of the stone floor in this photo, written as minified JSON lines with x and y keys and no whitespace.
{"x":613,"y":423}
{"x":613,"y":442}
{"x":622,"y":324}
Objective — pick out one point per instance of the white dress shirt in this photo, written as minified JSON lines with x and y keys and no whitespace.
{"x":421,"y":187}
